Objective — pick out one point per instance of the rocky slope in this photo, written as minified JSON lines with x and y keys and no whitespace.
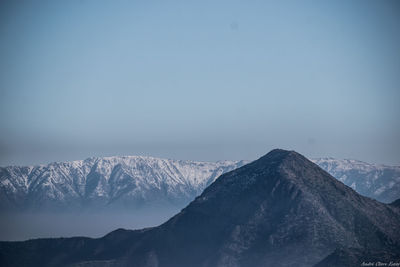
{"x":280,"y":210}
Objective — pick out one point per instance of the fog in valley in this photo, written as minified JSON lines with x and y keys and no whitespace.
{"x":22,"y":226}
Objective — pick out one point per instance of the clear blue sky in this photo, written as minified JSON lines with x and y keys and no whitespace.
{"x":202,"y":80}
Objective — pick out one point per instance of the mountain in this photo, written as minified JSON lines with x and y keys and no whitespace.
{"x":373,"y":180}
{"x":110,"y":182}
{"x":142,"y":182}
{"x":280,"y":210}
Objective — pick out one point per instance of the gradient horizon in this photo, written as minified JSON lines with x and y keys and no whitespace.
{"x":205,"y":80}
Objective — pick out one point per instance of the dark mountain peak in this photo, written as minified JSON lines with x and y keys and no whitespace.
{"x":278,"y":153}
{"x":283,"y":200}
{"x":278,"y":156}
{"x":282,"y":153}
{"x":281,"y":165}
{"x":279,"y":176}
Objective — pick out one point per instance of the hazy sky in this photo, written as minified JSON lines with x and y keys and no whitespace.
{"x":202,"y":80}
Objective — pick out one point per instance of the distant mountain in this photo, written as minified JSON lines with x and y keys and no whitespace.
{"x":110,"y":182}
{"x":373,"y":180}
{"x":280,"y":210}
{"x":140,"y":182}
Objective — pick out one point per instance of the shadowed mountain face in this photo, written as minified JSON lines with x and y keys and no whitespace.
{"x":280,"y":210}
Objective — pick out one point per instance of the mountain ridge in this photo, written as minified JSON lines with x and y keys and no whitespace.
{"x":377,"y":181}
{"x":136,"y":181}
{"x":280,"y":210}
{"x":108,"y":179}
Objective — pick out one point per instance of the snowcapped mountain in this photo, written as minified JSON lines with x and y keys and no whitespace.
{"x":109,"y":182}
{"x":373,"y":180}
{"x":138,"y":182}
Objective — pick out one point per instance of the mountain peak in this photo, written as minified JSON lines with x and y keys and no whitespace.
{"x":279,"y":154}
{"x":290,"y":165}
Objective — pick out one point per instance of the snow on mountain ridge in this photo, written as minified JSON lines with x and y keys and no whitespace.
{"x":127,"y":180}
{"x":134,"y":181}
{"x":350,"y":164}
{"x":373,"y":180}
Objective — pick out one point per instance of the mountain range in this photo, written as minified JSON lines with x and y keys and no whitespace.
{"x":107,"y":183}
{"x":280,"y":210}
{"x":137,"y":182}
{"x":377,"y":181}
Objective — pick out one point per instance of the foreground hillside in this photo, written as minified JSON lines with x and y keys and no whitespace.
{"x":280,"y":210}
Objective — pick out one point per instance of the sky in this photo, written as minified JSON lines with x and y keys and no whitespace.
{"x":199,"y":80}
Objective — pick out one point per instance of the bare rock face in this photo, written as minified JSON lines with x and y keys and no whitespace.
{"x":280,"y":210}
